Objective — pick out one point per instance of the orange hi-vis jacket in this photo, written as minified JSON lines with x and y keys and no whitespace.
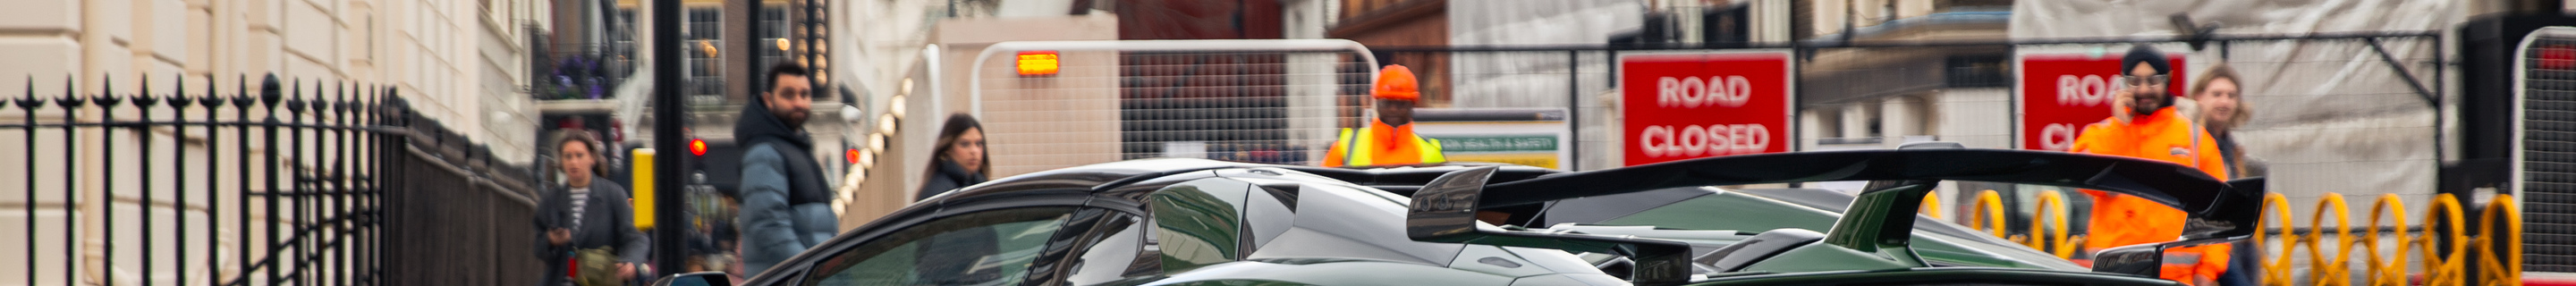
{"x":2120,"y":220}
{"x":1380,"y":144}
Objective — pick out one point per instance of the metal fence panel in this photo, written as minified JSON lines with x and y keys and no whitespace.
{"x":1103,"y":104}
{"x":309,"y":183}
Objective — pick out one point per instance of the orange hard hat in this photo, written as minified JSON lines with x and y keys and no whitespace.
{"x":1396,"y":82}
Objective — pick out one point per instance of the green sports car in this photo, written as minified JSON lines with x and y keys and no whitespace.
{"x":1199,"y":222}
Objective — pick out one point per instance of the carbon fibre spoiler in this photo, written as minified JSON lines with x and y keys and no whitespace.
{"x":1880,"y":220}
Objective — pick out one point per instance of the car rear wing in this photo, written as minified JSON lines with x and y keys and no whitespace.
{"x":1881,"y":220}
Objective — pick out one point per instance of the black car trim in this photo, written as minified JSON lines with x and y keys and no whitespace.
{"x":2219,"y":208}
{"x":1444,"y":209}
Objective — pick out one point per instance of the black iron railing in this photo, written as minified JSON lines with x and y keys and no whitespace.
{"x":300,"y":182}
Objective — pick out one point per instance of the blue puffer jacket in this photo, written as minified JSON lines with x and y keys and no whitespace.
{"x":785,"y":198}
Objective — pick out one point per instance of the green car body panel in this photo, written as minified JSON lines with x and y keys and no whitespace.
{"x":1729,"y":211}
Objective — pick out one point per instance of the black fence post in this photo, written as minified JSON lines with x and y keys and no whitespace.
{"x":179,"y":162}
{"x":339,"y":107}
{"x":1573,"y":110}
{"x":71,"y":103}
{"x":268,"y":134}
{"x":29,"y":103}
{"x":242,"y":101}
{"x":143,"y":103}
{"x":107,"y":102}
{"x":214,"y":198}
{"x":297,"y":181}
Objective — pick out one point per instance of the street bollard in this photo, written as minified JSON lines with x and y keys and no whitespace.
{"x":643,"y":181}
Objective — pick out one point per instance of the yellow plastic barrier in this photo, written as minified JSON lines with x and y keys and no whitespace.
{"x":2052,"y":214}
{"x":2329,"y":270}
{"x":2390,"y":271}
{"x":1988,"y":213}
{"x":2506,"y":270}
{"x":1931,"y":207}
{"x":2445,"y":270}
{"x":2276,"y":272}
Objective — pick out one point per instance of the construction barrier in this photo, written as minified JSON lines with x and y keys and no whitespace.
{"x":2052,"y":213}
{"x":2048,"y":231}
{"x":2442,"y":251}
{"x":1988,"y":213}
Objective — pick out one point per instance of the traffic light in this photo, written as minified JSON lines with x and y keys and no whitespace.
{"x":698,"y":147}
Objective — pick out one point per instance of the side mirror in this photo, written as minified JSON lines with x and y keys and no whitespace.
{"x":696,"y":279}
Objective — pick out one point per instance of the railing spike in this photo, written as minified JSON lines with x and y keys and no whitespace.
{"x":143,"y":99}
{"x":179,"y":88}
{"x":106,"y":92}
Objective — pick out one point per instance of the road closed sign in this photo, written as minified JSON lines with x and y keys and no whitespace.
{"x":1683,"y":106}
{"x":2061,"y":93}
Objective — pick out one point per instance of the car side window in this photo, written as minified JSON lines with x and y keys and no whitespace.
{"x":984,"y":248}
{"x":1108,"y":258}
{"x":1196,"y":222}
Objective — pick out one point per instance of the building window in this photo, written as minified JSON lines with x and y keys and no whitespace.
{"x":705,"y":67}
{"x":1975,"y":71}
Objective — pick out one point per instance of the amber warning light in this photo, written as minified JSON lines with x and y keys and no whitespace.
{"x":1037,"y":63}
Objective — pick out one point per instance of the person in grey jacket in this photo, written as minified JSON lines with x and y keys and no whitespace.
{"x":586,"y":213}
{"x":785,"y":198}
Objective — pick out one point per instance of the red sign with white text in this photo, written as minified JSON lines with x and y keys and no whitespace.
{"x":1683,"y":106}
{"x":2061,"y":93}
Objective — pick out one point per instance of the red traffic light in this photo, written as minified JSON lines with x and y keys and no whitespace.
{"x":698,"y":147}
{"x":852,"y":155}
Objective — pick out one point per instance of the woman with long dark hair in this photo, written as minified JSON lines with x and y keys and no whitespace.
{"x":959,"y":160}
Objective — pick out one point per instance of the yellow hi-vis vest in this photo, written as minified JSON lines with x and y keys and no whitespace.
{"x":1351,"y":145}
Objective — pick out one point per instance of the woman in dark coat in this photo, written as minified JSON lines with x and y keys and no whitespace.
{"x":585,"y":213}
{"x":959,"y":161}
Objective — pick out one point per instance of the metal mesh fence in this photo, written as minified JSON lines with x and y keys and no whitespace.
{"x":1102,"y":106}
{"x":2548,"y":153}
